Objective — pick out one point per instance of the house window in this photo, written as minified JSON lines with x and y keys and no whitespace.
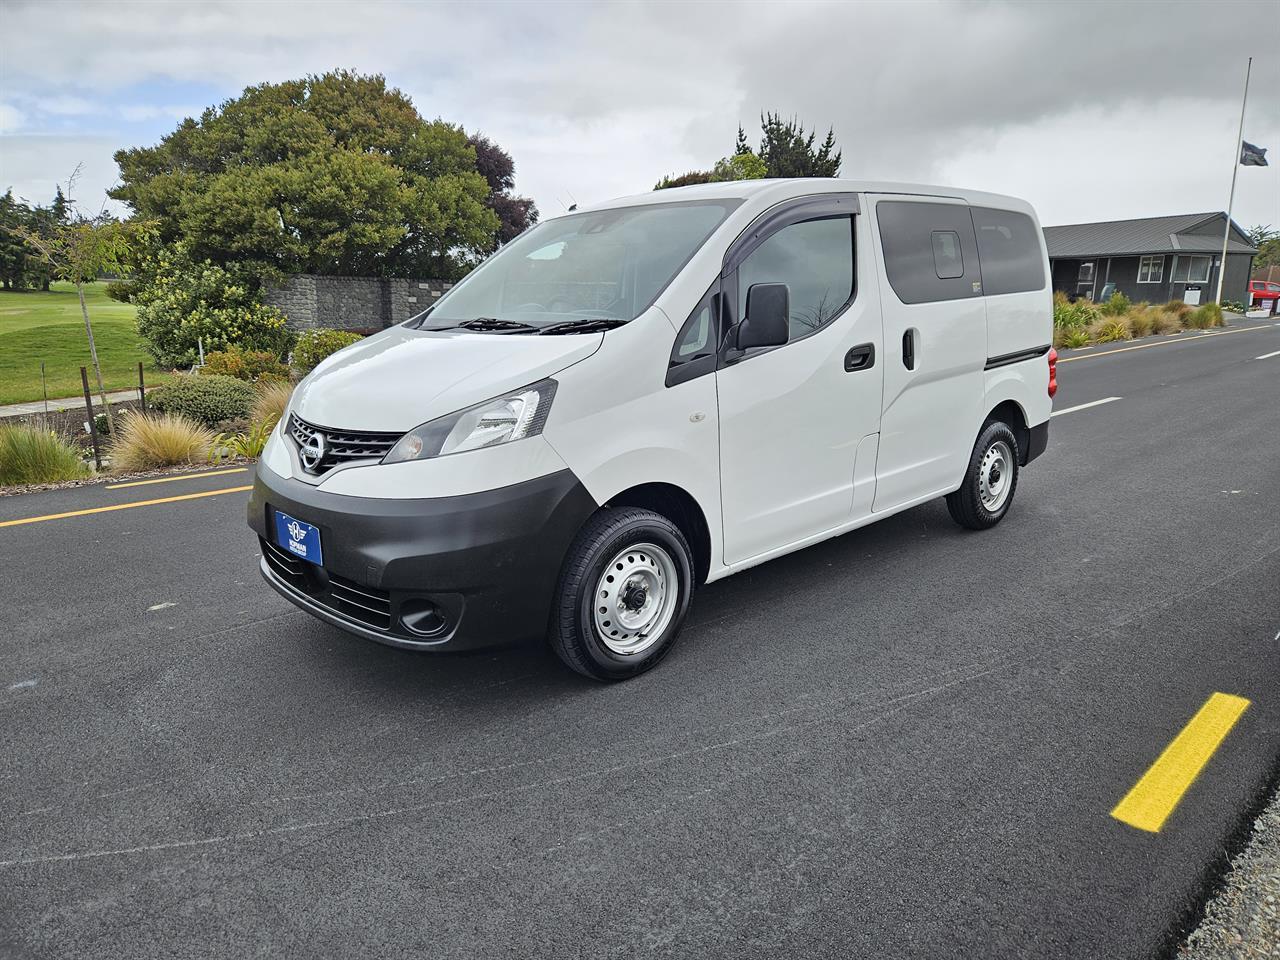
{"x":1151,"y":269}
{"x":1086,"y":272}
{"x":1191,"y":270}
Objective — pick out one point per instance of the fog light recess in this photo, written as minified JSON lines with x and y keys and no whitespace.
{"x":423,"y":617}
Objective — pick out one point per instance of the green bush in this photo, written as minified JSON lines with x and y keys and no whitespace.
{"x":122,"y":290}
{"x":1235,"y":306}
{"x":1204,"y":316}
{"x":182,"y":302}
{"x":1067,"y":314}
{"x":205,"y":399}
{"x":314,"y":345}
{"x":1107,"y":331}
{"x":1117,"y":305}
{"x":1071,"y":337}
{"x":251,"y":365}
{"x":29,"y":455}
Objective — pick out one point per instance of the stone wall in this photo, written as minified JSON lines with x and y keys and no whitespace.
{"x":365,"y":304}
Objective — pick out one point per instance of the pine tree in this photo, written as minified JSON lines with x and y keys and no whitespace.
{"x":789,"y":152}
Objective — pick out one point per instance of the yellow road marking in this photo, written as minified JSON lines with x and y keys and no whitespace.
{"x":1153,"y":797}
{"x":123,"y":506}
{"x":1162,"y":343}
{"x":185,"y":476}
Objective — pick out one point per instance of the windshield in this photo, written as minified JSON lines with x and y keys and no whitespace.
{"x":606,"y":265}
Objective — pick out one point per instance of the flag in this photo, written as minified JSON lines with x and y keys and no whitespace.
{"x":1251,"y":156}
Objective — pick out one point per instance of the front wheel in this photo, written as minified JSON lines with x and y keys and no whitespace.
{"x":623,"y":594}
{"x":989,"y":483}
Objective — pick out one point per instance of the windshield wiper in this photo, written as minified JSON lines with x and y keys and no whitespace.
{"x":585,"y":325}
{"x":484,"y":323}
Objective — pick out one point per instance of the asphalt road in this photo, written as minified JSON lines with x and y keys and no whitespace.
{"x":905,"y":742}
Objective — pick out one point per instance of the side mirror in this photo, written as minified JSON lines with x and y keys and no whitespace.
{"x":766,"y":320}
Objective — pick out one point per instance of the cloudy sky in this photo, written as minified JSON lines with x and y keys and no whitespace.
{"x":1091,"y":110}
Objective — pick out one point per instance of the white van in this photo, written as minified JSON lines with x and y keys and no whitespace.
{"x":628,"y":401}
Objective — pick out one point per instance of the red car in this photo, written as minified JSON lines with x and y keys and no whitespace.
{"x":1264,"y":293}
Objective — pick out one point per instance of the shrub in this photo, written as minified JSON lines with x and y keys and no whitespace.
{"x":1164,"y":321}
{"x":249,"y":444}
{"x":1071,"y":337}
{"x":1235,"y":306}
{"x":244,"y":364}
{"x":1117,"y":305}
{"x":271,"y":401}
{"x":1178,"y":308}
{"x":183,"y":302}
{"x":314,"y":345}
{"x":205,"y":399}
{"x":1204,"y":316}
{"x":30,"y":455}
{"x":1106,"y":331}
{"x":149,"y":440}
{"x":1067,"y":314}
{"x":1141,"y":322}
{"x":122,"y":290}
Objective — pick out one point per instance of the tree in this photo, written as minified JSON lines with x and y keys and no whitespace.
{"x":14,"y":217}
{"x":788,"y":152}
{"x":336,"y":173}
{"x":785,"y":151}
{"x":79,"y":249}
{"x":515,"y":214}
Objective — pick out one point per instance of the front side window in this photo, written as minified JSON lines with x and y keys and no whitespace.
{"x":604,"y":264}
{"x":815,"y":260}
{"x":1151,"y":269}
{"x":1191,"y":270}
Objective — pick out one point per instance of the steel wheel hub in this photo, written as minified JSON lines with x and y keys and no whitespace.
{"x":635,"y":598}
{"x":995,"y":476}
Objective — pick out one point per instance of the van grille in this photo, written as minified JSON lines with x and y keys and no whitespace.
{"x":340,"y":446}
{"x":367,"y":605}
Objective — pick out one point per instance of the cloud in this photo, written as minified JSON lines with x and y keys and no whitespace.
{"x":36,"y":165}
{"x":65,"y":106}
{"x":600,"y":100}
{"x":11,"y":118}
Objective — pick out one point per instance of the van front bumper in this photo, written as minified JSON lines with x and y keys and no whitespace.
{"x":440,"y":573}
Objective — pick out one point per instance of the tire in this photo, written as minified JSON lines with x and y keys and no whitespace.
{"x":610,"y":632}
{"x":983,"y":499}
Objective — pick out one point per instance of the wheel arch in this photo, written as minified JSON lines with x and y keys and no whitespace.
{"x":681,"y":508}
{"x":1011,"y":412}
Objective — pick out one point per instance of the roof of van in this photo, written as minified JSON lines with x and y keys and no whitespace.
{"x":784,"y":188}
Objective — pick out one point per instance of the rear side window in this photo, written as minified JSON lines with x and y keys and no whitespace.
{"x":1009,"y":248}
{"x":929,"y":250}
{"x":814,"y":258}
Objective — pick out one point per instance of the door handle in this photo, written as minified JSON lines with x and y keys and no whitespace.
{"x":909,"y":349}
{"x":860,"y":357}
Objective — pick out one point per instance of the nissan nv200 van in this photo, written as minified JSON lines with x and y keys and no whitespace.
{"x":629,"y":401}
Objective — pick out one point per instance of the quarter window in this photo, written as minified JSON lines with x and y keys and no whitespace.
{"x":1009,"y":250}
{"x":814,"y":259}
{"x":1191,"y":270}
{"x":1151,"y":269}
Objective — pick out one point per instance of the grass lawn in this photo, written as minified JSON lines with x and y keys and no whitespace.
{"x":37,"y":326}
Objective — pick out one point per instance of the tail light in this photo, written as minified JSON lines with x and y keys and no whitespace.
{"x":1053,"y":372}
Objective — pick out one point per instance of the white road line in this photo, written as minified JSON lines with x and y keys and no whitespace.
{"x":1084,"y":406}
{"x":1268,"y":356}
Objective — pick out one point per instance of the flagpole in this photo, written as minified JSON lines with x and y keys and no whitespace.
{"x":1235,"y":169}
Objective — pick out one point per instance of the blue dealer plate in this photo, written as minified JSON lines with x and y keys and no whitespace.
{"x":300,"y":539}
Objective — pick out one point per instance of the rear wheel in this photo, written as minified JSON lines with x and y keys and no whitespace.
{"x":989,"y":483}
{"x":623,"y":594}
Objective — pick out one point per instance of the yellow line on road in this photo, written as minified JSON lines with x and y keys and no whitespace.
{"x":185,"y":476}
{"x":1153,"y":797}
{"x":122,"y":506}
{"x":1162,"y":343}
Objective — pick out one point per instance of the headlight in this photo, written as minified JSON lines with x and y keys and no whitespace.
{"x":516,"y":415}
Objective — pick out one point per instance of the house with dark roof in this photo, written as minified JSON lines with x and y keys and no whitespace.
{"x":1154,"y":259}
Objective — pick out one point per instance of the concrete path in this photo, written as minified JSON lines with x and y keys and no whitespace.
{"x":66,"y":403}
